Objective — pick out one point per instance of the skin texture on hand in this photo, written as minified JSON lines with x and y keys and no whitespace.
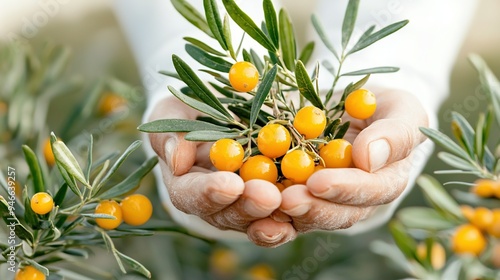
{"x":331,"y":199}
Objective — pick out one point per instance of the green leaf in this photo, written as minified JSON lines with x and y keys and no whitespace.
{"x":200,"y":106}
{"x":322,"y":35}
{"x":65,"y":158}
{"x":367,"y":33}
{"x":192,"y":15}
{"x":210,"y":136}
{"x":214,"y":22}
{"x":131,"y":181}
{"x":307,"y":52}
{"x":424,"y":218}
{"x":227,"y":93}
{"x":372,"y":38}
{"x":374,"y":70}
{"x":30,"y":216}
{"x":257,"y":61}
{"x":135,"y":265}
{"x":198,"y":87}
{"x":38,"y":266}
{"x":455,"y":161}
{"x":61,"y":194}
{"x":436,"y":194}
{"x":130,"y":149}
{"x":489,"y":82}
{"x":208,"y":60}
{"x":349,"y":21}
{"x":331,"y":127}
{"x":287,"y":40}
{"x":445,"y":142}
{"x":203,"y":46}
{"x":69,"y":180}
{"x":481,"y":138}
{"x":342,"y":130}
{"x":306,"y":86}
{"x":170,"y":74}
{"x":463,"y":132}
{"x":271,"y":21}
{"x":98,"y":216}
{"x":229,"y":38}
{"x":406,"y":244}
{"x":89,"y":158}
{"x":262,"y":93}
{"x":246,"y":23}
{"x":35,"y":171}
{"x":179,"y":125}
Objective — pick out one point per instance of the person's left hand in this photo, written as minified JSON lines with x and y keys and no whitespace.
{"x":382,"y":147}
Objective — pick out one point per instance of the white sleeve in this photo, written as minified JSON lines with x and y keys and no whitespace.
{"x":425,"y":51}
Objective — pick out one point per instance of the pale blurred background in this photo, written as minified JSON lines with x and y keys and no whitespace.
{"x":99,"y":48}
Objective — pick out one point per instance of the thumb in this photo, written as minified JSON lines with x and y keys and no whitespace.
{"x":392,"y":133}
{"x":178,"y":153}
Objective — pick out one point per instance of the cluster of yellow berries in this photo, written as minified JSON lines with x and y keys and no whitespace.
{"x":282,"y":160}
{"x":486,"y":188}
{"x":135,"y":209}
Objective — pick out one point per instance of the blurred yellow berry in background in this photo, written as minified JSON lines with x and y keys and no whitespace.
{"x":47,"y":153}
{"x":110,"y":103}
{"x":485,"y":187}
{"x":261,"y":272}
{"x":468,"y":239}
{"x":224,"y":262}
{"x":437,"y":257}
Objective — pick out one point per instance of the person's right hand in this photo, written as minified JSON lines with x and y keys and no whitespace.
{"x":220,"y":198}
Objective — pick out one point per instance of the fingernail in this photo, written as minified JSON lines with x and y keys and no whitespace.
{"x":222,"y":198}
{"x":170,"y":147}
{"x":378,"y":152}
{"x":299,"y":210}
{"x":252,"y":209}
{"x":269,"y":239}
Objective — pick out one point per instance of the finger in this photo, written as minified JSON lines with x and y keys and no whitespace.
{"x":353,"y":186}
{"x":270,"y":233}
{"x":259,"y":199}
{"x":201,"y":193}
{"x":311,"y":213}
{"x":392,"y":133}
{"x":178,"y":153}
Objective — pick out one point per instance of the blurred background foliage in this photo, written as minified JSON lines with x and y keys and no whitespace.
{"x":98,"y":49}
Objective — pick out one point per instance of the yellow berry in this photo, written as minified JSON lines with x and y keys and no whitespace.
{"x":42,"y":203}
{"x":227,"y":155}
{"x":310,"y":121}
{"x":109,"y":207}
{"x":136,"y":209}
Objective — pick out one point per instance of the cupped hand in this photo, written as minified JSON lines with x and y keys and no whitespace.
{"x":382,"y":155}
{"x":220,"y":198}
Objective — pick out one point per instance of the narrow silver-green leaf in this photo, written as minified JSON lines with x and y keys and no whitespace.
{"x":372,"y":38}
{"x":257,"y":61}
{"x":98,"y":216}
{"x":70,"y":180}
{"x":179,"y":125}
{"x":210,"y":136}
{"x":203,"y":46}
{"x":463,"y":132}
{"x":322,"y":35}
{"x":131,"y":148}
{"x":64,"y":156}
{"x":271,"y":21}
{"x":192,"y":15}
{"x":306,"y":86}
{"x":229,"y":37}
{"x":89,"y":158}
{"x":35,"y":171}
{"x":479,"y":139}
{"x":405,"y":243}
{"x":373,"y":70}
{"x":342,"y":130}
{"x":349,"y":21}
{"x":208,"y":60}
{"x":489,"y":82}
{"x":262,"y":93}
{"x":214,"y":22}
{"x":306,"y":52}
{"x":287,"y":40}
{"x":170,"y":74}
{"x":455,"y":161}
{"x":246,"y":23}
{"x":436,"y":194}
{"x":135,"y":265}
{"x":424,"y":218}
{"x":367,"y":33}
{"x":200,"y":106}
{"x":131,"y":181}
{"x":197,"y":86}
{"x":445,"y":142}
